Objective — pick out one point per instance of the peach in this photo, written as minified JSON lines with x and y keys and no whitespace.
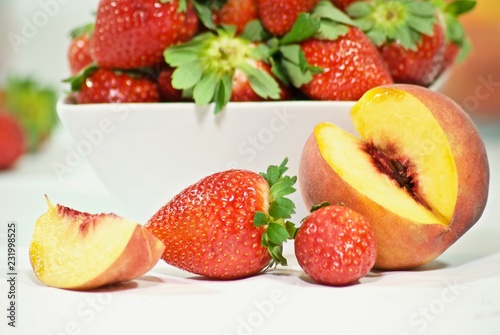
{"x":80,"y":251}
{"x":418,"y":171}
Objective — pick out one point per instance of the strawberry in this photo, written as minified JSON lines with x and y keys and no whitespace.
{"x":408,"y":35}
{"x":457,"y":43}
{"x":327,"y":58}
{"x":278,"y":16}
{"x":33,"y":104}
{"x":228,"y":225}
{"x":167,"y":92}
{"x":237,"y":13}
{"x":335,"y":245}
{"x":12,"y":140}
{"x":98,"y":85}
{"x":79,"y":48}
{"x":351,"y":64}
{"x":205,"y":67}
{"x":133,"y":34}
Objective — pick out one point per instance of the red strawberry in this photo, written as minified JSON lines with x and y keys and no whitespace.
{"x":134,"y":34}
{"x":12,"y":140}
{"x":106,"y":86}
{"x":167,"y":92}
{"x":335,"y":246}
{"x":237,"y":13}
{"x":278,"y":16}
{"x":351,"y":66}
{"x":228,"y":225}
{"x":420,"y":67}
{"x":457,"y":43}
{"x":79,"y":49}
{"x":410,"y":39}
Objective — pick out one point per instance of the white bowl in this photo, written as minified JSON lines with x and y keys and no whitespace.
{"x":147,"y":153}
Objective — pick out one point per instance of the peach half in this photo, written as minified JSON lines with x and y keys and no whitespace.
{"x":81,"y":251}
{"x":418,"y":171}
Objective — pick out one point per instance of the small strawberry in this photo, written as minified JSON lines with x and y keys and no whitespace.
{"x":167,"y":92}
{"x":12,"y":140}
{"x":79,"y":48}
{"x":457,"y":43}
{"x":98,"y":85}
{"x":327,"y":58}
{"x":133,"y":34}
{"x":278,"y":16}
{"x":237,"y":13}
{"x":228,"y":225}
{"x":205,"y":67}
{"x":335,"y":246}
{"x":408,"y":35}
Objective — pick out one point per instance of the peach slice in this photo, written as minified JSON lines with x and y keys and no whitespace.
{"x":418,"y":171}
{"x":80,"y":251}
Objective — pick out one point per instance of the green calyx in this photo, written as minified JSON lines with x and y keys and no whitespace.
{"x":455,"y":32}
{"x":387,"y":21}
{"x":205,"y":67}
{"x":324,"y":22}
{"x":34,"y":105}
{"x":278,"y":228}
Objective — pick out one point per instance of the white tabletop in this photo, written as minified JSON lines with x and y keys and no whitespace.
{"x":459,"y":293}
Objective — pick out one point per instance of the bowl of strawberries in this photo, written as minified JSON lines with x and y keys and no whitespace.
{"x":165,"y":93}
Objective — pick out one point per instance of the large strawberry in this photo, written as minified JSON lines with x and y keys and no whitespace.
{"x":328,"y":58}
{"x":278,"y":16}
{"x":134,"y":33}
{"x":228,"y":225}
{"x":99,"y":85}
{"x":79,"y":48}
{"x":409,"y":35}
{"x":335,"y":245}
{"x":205,"y":67}
{"x":12,"y":140}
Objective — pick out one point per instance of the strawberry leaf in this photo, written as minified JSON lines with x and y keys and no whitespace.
{"x":459,"y":7}
{"x":254,"y":31}
{"x":325,"y":10}
{"x":187,"y":75}
{"x":261,"y":82}
{"x":204,"y":14}
{"x":77,"y":80}
{"x":204,"y":90}
{"x":304,"y":27}
{"x":223,"y":93}
{"x":277,"y":229}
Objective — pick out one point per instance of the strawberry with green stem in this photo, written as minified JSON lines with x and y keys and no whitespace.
{"x":206,"y":66}
{"x":457,"y":44}
{"x":408,"y":34}
{"x":327,"y":58}
{"x":228,"y":225}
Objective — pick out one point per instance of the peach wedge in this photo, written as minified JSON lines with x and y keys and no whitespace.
{"x":80,"y":251}
{"x":418,"y":171}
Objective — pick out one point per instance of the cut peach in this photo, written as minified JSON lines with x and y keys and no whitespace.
{"x":418,"y":171}
{"x":77,"y":250}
